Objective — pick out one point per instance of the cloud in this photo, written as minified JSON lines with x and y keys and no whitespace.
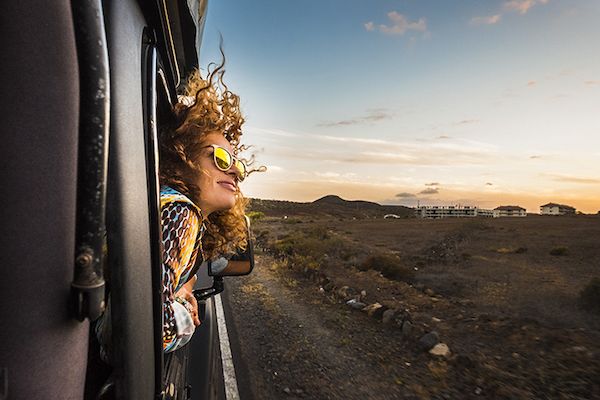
{"x":399,"y":25}
{"x":365,"y":150}
{"x":432,"y":184}
{"x":531,"y":83}
{"x":443,"y":137}
{"x":534,"y":157}
{"x":405,"y":195}
{"x":429,"y":191}
{"x":372,"y":116}
{"x":488,"y":20}
{"x":467,"y":121}
{"x":592,"y":83}
{"x":489,"y":184}
{"x":273,"y":132}
{"x":522,"y":6}
{"x":519,"y":6}
{"x":573,"y":179}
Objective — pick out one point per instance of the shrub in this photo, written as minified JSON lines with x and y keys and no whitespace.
{"x":589,"y":297}
{"x":559,"y":251}
{"x":255,"y":215}
{"x":389,"y":266}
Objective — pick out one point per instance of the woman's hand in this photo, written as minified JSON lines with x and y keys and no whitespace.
{"x":185,"y":292}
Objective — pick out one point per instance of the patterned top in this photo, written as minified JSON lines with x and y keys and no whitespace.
{"x":181,"y":238}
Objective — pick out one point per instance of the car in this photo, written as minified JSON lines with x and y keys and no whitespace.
{"x":84,"y":86}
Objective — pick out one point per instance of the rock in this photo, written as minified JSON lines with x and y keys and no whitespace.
{"x":578,"y":349}
{"x":434,"y":319}
{"x":478,"y":391}
{"x":329,"y":287}
{"x":428,"y":340}
{"x":419,"y":286}
{"x":440,"y":349}
{"x":357,"y":305}
{"x":345,"y":292}
{"x":371,"y":309}
{"x":429,"y":292}
{"x":407,"y":328}
{"x":388,"y":316}
{"x":325,"y":280}
{"x":287,"y":390}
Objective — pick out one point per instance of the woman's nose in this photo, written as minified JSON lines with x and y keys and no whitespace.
{"x":232,"y":172}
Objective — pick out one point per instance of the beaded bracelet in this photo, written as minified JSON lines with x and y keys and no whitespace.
{"x":188,"y":306}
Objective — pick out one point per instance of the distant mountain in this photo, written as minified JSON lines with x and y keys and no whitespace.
{"x":330,"y":205}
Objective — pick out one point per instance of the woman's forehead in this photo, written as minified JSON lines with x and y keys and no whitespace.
{"x":218,"y":139}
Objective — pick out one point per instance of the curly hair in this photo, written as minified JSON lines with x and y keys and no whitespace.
{"x":206,"y":106}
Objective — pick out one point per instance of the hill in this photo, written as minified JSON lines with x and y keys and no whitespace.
{"x":330,"y":205}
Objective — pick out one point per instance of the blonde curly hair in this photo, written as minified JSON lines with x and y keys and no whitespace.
{"x":205,"y":106}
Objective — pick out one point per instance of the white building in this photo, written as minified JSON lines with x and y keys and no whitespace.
{"x":435,"y":212}
{"x":556,"y":209}
{"x":509,"y":211}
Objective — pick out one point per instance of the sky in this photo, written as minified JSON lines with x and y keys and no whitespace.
{"x":482,"y":103}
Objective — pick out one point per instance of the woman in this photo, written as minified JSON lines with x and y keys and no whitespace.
{"x":202,"y":208}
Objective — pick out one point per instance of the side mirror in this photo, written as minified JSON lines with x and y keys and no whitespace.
{"x":242,"y":263}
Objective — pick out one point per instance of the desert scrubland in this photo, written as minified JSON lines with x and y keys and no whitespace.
{"x":501,"y":308}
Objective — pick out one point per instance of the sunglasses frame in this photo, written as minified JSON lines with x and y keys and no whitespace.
{"x":242,"y":174}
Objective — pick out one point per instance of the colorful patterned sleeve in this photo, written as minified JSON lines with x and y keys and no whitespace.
{"x":180,"y":230}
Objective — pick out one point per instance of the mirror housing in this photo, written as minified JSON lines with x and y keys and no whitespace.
{"x":241,"y":263}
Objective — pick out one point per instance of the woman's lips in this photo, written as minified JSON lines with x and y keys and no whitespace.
{"x":228,"y":185}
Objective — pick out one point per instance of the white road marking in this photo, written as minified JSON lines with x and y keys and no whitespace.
{"x":231,"y":389}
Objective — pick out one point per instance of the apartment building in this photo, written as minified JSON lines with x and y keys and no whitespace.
{"x":509,"y":211}
{"x":556,"y":209}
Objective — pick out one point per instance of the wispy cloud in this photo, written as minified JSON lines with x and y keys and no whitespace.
{"x":487,"y":20}
{"x":518,"y":6}
{"x":489,"y":184}
{"x":591,"y":83}
{"x":432,"y":184}
{"x":467,"y":121}
{"x":573,"y":179}
{"x":429,"y":191}
{"x":399,"y":25}
{"x":522,"y":6}
{"x":443,"y":137}
{"x":531,"y":83}
{"x":371,"y":117}
{"x":273,"y":132}
{"x":405,"y":195}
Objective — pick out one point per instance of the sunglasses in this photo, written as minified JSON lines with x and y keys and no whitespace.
{"x":224,"y":161}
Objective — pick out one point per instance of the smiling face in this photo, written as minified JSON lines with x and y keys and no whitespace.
{"x":218,"y":189}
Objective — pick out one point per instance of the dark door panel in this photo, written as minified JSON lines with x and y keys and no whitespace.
{"x":42,"y":348}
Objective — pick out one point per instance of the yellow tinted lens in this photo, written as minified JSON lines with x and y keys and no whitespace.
{"x":222,"y":159}
{"x":241,"y":169}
